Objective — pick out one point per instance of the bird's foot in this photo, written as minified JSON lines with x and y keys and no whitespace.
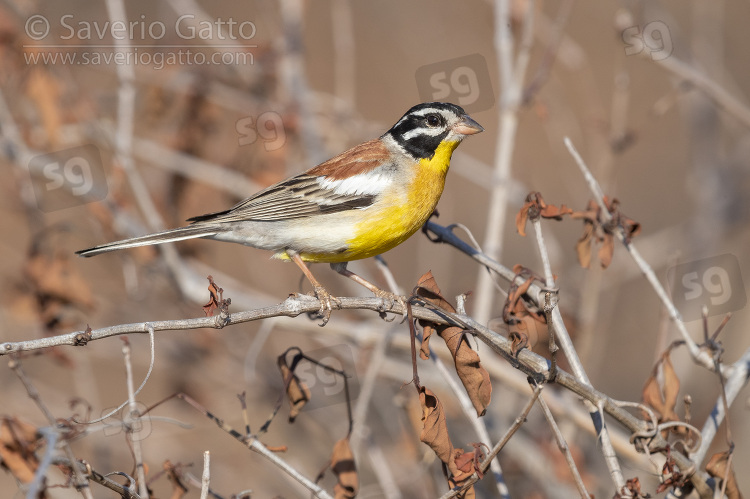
{"x":389,"y":299}
{"x":327,"y":302}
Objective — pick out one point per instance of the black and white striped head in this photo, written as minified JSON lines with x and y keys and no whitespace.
{"x":425,"y":126}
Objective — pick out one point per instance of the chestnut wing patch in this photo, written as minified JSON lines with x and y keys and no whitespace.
{"x":326,"y":188}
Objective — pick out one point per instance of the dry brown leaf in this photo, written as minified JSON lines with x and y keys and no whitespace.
{"x":475,"y":378}
{"x":671,"y":385}
{"x":521,"y":217}
{"x":671,"y":476}
{"x":216,"y":300}
{"x":424,"y":347}
{"x":179,"y":489}
{"x":460,"y":464}
{"x":663,"y":398}
{"x":594,"y":231}
{"x":606,"y":250}
{"x":345,"y":469}
{"x":296,"y":391}
{"x":651,"y":394}
{"x":632,"y":490}
{"x":584,"y":245}
{"x":434,"y":426}
{"x":527,"y":324}
{"x":717,"y":468}
{"x":469,"y":493}
{"x":525,"y":332}
{"x":18,"y":441}
{"x":535,"y":207}
{"x":55,"y":277}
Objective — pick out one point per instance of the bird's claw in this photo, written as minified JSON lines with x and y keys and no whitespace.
{"x":391,"y":298}
{"x":327,"y":302}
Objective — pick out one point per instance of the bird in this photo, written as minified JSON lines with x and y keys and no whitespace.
{"x":359,"y":204}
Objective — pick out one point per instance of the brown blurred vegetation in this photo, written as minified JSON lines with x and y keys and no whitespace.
{"x":323,"y":78}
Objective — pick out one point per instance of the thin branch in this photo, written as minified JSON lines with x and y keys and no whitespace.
{"x":554,"y":319}
{"x":81,"y":482}
{"x":50,"y":441}
{"x":517,"y":423}
{"x":150,"y":331}
{"x":206,"y":477}
{"x":536,"y":293}
{"x":511,"y":76}
{"x":738,"y":379}
{"x":713,"y":90}
{"x":256,"y":445}
{"x":563,"y":445}
{"x":123,"y":491}
{"x":479,"y":425}
{"x":133,"y":416}
{"x":543,"y":253}
{"x":699,"y":356}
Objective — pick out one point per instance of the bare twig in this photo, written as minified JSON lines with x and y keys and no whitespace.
{"x":51,"y":436}
{"x":133,"y":416}
{"x":257,"y":446}
{"x":445,"y":235}
{"x":126,"y":492}
{"x":81,"y":481}
{"x":701,"y":357}
{"x":511,"y":76}
{"x":597,"y":416}
{"x":517,"y":423}
{"x":150,"y":331}
{"x":206,"y":477}
{"x":563,"y":445}
{"x":736,"y":381}
{"x":479,"y":425}
{"x":713,"y":90}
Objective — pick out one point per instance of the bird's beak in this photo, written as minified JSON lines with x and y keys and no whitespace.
{"x":467,"y":126}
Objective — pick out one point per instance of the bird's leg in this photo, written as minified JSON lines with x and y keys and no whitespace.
{"x":380,"y":293}
{"x":320,"y":292}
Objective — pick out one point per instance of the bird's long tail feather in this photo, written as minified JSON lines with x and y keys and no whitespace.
{"x":167,"y":236}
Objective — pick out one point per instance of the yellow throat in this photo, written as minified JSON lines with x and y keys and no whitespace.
{"x":403,"y":216}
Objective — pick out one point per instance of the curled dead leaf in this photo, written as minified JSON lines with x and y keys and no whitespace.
{"x":632,"y":490}
{"x":53,"y":276}
{"x":662,"y":397}
{"x":18,"y":441}
{"x":434,"y":426}
{"x":435,"y":434}
{"x":475,"y":378}
{"x":720,"y":468}
{"x":597,"y":232}
{"x":297,"y":392}
{"x":526,"y":323}
{"x":535,"y":207}
{"x":216,"y":300}
{"x":345,"y":469}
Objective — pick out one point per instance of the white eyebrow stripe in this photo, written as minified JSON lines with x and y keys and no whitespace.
{"x":370,"y":183}
{"x":423,"y":131}
{"x":424,"y":112}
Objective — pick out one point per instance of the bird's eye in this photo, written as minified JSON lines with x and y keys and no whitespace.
{"x":433,"y":120}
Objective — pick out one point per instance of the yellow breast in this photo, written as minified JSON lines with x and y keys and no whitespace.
{"x":403,"y":211}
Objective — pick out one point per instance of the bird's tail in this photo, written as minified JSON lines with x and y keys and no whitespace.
{"x":167,"y":236}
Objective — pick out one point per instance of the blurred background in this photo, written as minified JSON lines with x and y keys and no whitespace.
{"x":120,"y":118}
